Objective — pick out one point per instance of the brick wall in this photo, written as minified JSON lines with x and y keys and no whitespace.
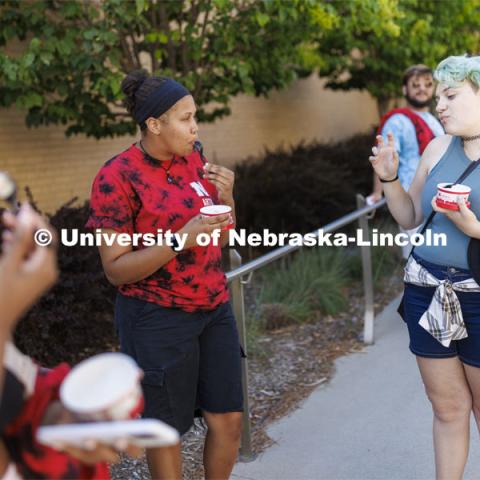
{"x":57,"y":168}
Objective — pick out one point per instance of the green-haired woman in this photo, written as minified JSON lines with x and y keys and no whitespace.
{"x":442,"y":300}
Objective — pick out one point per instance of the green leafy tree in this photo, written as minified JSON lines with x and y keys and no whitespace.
{"x":373,"y":42}
{"x":63,"y":61}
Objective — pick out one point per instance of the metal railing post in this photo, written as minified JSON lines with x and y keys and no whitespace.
{"x":369,"y":315}
{"x":236,"y":281}
{"x":236,"y":290}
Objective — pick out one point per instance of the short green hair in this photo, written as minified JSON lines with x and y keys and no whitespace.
{"x":456,"y":69}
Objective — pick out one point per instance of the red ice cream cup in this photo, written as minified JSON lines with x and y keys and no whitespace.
{"x":448,"y":193}
{"x":214,"y":210}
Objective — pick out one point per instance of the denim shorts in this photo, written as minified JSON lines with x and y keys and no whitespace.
{"x":191,"y":360}
{"x":416,"y":302}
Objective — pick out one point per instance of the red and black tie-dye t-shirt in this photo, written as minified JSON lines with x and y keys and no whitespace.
{"x":131,"y":194}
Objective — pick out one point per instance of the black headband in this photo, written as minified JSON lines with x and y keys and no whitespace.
{"x":160,"y":100}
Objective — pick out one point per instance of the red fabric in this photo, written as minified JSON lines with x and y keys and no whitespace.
{"x":423,"y":131}
{"x":34,"y":460}
{"x":131,"y":194}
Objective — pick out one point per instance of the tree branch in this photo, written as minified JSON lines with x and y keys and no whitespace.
{"x":182,"y":43}
{"x":198,"y":64}
{"x":153,"y":45}
{"x":164,"y":26}
{"x":194,"y":12}
{"x":136,"y":53}
{"x":199,"y":82}
{"x":121,"y":115}
{"x":127,"y":61}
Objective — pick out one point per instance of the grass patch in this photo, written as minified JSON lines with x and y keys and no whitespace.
{"x":385,"y":260}
{"x":312,"y":283}
{"x":255,"y":329}
{"x":314,"y":280}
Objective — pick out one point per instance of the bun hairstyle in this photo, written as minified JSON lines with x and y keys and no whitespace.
{"x":147,"y":96}
{"x":137,"y":86}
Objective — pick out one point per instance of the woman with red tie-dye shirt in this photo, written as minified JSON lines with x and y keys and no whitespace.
{"x":172,"y":312}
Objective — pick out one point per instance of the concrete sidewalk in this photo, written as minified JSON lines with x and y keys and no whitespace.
{"x":372,"y":421}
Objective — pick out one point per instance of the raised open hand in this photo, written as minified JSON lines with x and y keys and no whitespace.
{"x":385,"y":158}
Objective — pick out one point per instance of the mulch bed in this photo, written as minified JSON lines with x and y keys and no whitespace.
{"x":291,"y":362}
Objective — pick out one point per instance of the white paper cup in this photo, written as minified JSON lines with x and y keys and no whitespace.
{"x":214,"y":210}
{"x":7,"y":186}
{"x":448,"y":197}
{"x":104,"y":387}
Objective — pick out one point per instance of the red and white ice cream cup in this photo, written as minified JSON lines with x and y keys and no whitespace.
{"x":447,"y":195}
{"x":214,"y":210}
{"x":104,"y":387}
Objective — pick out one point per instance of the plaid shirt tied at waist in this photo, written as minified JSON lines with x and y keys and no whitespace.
{"x":443,"y":319}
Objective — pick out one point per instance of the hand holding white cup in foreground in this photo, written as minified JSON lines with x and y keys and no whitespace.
{"x":104,"y":387}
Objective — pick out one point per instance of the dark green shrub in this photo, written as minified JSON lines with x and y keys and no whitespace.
{"x":305,"y":188}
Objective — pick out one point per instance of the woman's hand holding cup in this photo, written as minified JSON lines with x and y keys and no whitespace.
{"x":385,"y":158}
{"x":464,"y":218}
{"x":203,"y":224}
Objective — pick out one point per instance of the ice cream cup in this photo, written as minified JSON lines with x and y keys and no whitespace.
{"x":448,"y":193}
{"x":104,"y":387}
{"x":214,"y":210}
{"x":8,"y":191}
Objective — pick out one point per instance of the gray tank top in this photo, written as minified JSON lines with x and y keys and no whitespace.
{"x":448,"y":169}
